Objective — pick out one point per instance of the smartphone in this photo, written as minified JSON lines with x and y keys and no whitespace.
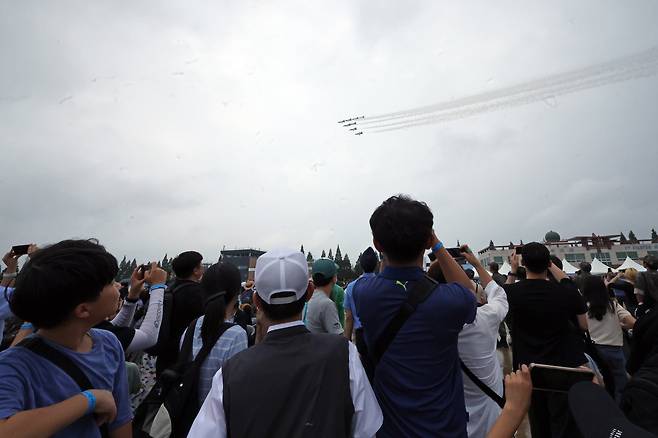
{"x":20,"y":249}
{"x":145,"y":267}
{"x":455,"y":253}
{"x":519,"y":250}
{"x":557,"y":379}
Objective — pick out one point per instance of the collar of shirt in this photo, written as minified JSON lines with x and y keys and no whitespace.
{"x":404,"y":273}
{"x":284,"y":325}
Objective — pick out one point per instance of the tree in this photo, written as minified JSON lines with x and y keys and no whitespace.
{"x":302,"y":250}
{"x":491,"y":245}
{"x":166,"y":264}
{"x":357,"y":266}
{"x":331,"y":257}
{"x":339,"y":257}
{"x":133,"y":265}
{"x":622,"y":239}
{"x":654,"y":236}
{"x":309,"y":257}
{"x":324,"y":254}
{"x":632,"y":238}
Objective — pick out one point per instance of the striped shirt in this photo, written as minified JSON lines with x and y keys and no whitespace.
{"x":232,"y":341}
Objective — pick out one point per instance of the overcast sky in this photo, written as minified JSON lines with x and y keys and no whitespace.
{"x":163,"y":126}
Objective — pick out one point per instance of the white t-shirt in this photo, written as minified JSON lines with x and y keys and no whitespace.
{"x":477,"y":349}
{"x":608,"y":330}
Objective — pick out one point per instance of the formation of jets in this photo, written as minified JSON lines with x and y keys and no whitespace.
{"x":352,"y":122}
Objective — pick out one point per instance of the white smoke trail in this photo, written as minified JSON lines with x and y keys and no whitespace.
{"x":642,"y":64}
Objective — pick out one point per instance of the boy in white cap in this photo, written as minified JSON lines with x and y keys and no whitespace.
{"x":294,"y":383}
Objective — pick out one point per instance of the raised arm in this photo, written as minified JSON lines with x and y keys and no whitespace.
{"x":147,"y":335}
{"x":125,"y":316}
{"x":485,"y":277}
{"x":450,"y":268}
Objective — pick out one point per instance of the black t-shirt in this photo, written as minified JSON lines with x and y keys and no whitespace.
{"x":544,"y":322}
{"x":187,"y":305}
{"x":125,"y":335}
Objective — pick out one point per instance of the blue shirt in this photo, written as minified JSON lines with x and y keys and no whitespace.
{"x":28,"y":381}
{"x":418,"y":381}
{"x":349,"y":300}
{"x":5,"y":311}
{"x":231,"y":342}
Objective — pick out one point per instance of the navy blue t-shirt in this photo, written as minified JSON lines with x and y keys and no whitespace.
{"x":418,"y":381}
{"x":28,"y":381}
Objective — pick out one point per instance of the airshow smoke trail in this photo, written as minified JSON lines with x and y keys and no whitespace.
{"x":638,"y":65}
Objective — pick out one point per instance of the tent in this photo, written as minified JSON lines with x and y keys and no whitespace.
{"x":630,"y":263}
{"x":568,"y":268}
{"x":598,"y":267}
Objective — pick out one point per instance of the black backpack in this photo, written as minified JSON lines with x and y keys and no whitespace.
{"x":639,"y":401}
{"x":164,"y":335}
{"x":170,"y":408}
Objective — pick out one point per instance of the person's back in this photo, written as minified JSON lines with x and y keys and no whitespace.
{"x":321,"y":314}
{"x":294,"y":383}
{"x":187,"y":304}
{"x":418,"y":380}
{"x":477,"y":350}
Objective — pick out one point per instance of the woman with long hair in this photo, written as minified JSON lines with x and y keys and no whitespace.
{"x":605,"y":319}
{"x":221,"y":284}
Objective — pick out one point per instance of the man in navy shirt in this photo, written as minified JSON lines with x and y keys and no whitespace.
{"x":418,"y":381}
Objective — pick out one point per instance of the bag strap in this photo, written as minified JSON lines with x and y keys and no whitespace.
{"x":500,"y":401}
{"x":186,"y":349}
{"x":419,"y":292}
{"x":37,"y":345}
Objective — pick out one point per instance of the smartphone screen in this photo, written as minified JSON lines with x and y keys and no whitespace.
{"x":455,"y":253}
{"x":519,"y":250}
{"x":557,"y":379}
{"x":20,"y":249}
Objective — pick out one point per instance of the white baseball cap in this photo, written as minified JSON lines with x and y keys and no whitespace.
{"x":281,"y":270}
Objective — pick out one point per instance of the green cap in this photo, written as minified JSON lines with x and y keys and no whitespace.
{"x":326,"y":267}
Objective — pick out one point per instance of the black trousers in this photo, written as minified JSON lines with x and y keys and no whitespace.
{"x":550,"y":416}
{"x":362,"y":348}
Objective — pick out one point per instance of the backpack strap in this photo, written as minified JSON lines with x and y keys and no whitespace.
{"x":500,"y":401}
{"x":37,"y":345}
{"x":186,"y":348}
{"x":418,"y":293}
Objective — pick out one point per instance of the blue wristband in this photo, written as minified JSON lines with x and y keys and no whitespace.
{"x":158,"y":286}
{"x":91,"y":401}
{"x":27,"y":325}
{"x":437,"y":247}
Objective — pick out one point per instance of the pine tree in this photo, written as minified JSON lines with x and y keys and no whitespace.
{"x":632,"y":238}
{"x":339,"y":257}
{"x":491,"y":245}
{"x":331,"y":257}
{"x":654,"y":236}
{"x":133,"y":265}
{"x":324,"y":254}
{"x":357,"y":266}
{"x":622,"y":239}
{"x":302,"y":250}
{"x":309,"y":257}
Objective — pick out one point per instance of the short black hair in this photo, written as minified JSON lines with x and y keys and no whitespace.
{"x":536,"y":257}
{"x":185,"y":264}
{"x":651,"y":262}
{"x":320,"y":280}
{"x":403,"y":227}
{"x":368,"y":260}
{"x":493,"y":267}
{"x":57,"y":278}
{"x":585,"y":267}
{"x":521,"y":273}
{"x":279,"y":312}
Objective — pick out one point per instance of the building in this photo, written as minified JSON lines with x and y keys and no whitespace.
{"x":611,"y":249}
{"x":244,"y":259}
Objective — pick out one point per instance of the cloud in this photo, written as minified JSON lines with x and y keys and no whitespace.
{"x":160,"y":128}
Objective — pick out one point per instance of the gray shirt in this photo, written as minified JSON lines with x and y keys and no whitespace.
{"x":321,"y":314}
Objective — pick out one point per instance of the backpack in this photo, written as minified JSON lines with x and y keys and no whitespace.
{"x":170,"y":408}
{"x":164,"y":335}
{"x":639,"y":400}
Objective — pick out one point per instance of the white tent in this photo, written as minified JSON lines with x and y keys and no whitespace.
{"x":598,"y":267}
{"x":568,"y":268}
{"x":630,"y":263}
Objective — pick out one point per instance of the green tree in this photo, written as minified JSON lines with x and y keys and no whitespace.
{"x":309,"y":257}
{"x":339,"y":257}
{"x":357,"y":267}
{"x":632,"y":238}
{"x":324,"y":254}
{"x":491,"y":245}
{"x":622,"y":238}
{"x":654,"y":236}
{"x":331,"y":257}
{"x":302,"y":250}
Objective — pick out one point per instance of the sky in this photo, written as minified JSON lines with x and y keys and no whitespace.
{"x":164,"y":126}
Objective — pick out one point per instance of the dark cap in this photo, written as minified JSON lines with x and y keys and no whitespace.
{"x":597,"y":415}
